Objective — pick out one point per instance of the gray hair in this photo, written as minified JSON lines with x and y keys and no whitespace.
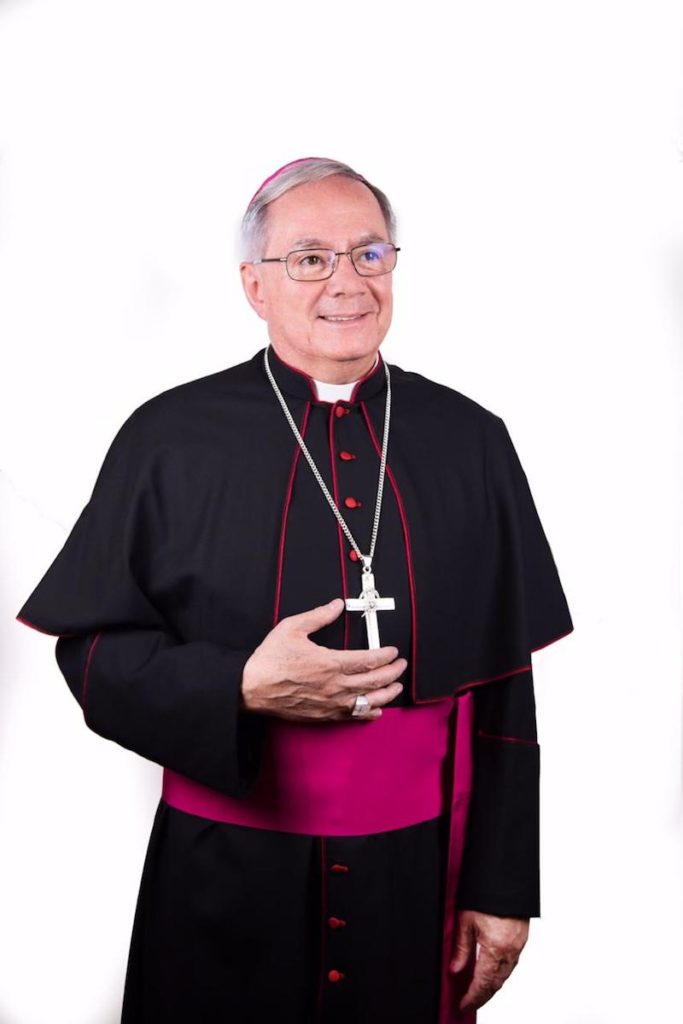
{"x":254,"y":222}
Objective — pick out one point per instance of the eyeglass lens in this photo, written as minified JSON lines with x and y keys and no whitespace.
{"x":317,"y":264}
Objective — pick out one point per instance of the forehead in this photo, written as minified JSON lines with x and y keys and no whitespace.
{"x":333,"y":211}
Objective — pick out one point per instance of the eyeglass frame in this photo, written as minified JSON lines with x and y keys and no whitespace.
{"x":322,"y":248}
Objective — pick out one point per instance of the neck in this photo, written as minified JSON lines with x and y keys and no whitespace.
{"x":329,"y":371}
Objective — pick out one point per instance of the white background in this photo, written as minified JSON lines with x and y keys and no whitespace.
{"x":536,"y":148}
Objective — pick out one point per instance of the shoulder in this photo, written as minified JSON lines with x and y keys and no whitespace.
{"x":239,"y":381}
{"x":196,"y":408}
{"x":445,"y":407}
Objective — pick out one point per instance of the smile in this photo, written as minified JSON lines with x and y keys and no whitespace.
{"x":343,"y":319}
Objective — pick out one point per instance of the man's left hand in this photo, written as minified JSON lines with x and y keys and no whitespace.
{"x":501,"y":941}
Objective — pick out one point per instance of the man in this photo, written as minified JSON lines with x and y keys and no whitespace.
{"x":348,"y":829}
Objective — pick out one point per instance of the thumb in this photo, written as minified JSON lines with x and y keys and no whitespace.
{"x":462,"y":946}
{"x":312,"y":619}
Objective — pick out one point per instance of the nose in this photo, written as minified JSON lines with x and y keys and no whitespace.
{"x":345,"y":279}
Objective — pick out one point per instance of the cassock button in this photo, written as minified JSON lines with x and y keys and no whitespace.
{"x":341,"y":411}
{"x":352,"y":502}
{"x":336,"y":922}
{"x":335,"y":975}
{"x":346,"y":456}
{"x":353,"y":555}
{"x":339,"y":869}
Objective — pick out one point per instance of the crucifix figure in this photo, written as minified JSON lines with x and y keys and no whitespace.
{"x":369,"y":603}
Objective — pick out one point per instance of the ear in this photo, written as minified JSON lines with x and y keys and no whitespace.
{"x":253,"y":288}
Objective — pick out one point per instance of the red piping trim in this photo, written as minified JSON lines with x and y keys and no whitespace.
{"x":46,"y":632}
{"x":285,"y":514}
{"x":361,"y":380}
{"x":492,"y":679}
{"x":548,"y":642}
{"x":323,"y":915}
{"x":311,"y":382}
{"x":510,"y":739}
{"x":374,"y":369}
{"x":514,"y":671}
{"x":406,"y":539}
{"x":340,"y":534}
{"x":86,"y":671}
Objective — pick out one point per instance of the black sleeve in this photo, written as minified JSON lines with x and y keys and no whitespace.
{"x":173,"y":703}
{"x":138,"y":683}
{"x":525,"y":609}
{"x":500,"y":873}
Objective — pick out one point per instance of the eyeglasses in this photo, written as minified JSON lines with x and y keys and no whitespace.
{"x":368,"y":260}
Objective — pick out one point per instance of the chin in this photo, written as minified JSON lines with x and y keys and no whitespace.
{"x":348,"y":352}
{"x":351,"y":343}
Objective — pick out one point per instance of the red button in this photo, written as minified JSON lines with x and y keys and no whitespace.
{"x":339,"y":869}
{"x":335,"y":975}
{"x":352,"y":502}
{"x":341,"y":411}
{"x":346,"y":456}
{"x":353,"y":555}
{"x":336,"y":922}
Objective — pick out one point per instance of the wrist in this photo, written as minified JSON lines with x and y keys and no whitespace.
{"x":244,"y":704}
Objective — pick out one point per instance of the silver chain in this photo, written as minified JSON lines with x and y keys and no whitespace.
{"x":366,"y":560}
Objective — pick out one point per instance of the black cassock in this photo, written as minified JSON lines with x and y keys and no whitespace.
{"x":205,"y":527}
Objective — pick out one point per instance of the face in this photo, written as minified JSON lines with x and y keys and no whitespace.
{"x":337,"y":213}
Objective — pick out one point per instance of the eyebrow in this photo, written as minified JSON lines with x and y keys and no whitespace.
{"x":316,"y":243}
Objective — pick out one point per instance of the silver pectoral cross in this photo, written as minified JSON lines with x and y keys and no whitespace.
{"x":369,"y":603}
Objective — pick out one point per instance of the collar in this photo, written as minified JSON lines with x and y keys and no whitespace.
{"x":295,"y":382}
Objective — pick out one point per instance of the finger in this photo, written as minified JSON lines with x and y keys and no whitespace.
{"x":476,"y":997}
{"x":463,"y":944}
{"x":366,"y":659}
{"x":376,"y":700}
{"x":364,"y":682}
{"x":368,"y":716}
{"x":480,"y":989}
{"x":489,"y":974}
{"x":315,"y":618}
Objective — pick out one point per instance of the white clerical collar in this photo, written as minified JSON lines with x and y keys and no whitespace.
{"x":339,"y":392}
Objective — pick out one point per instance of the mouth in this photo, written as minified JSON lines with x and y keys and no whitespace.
{"x":350,"y":318}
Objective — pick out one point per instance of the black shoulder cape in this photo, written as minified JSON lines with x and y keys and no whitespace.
{"x":188,"y":507}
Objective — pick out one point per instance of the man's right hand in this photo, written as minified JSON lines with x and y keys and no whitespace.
{"x":292,"y":677}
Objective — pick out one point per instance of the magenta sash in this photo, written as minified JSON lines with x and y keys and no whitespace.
{"x":357,"y":778}
{"x":337,"y":778}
